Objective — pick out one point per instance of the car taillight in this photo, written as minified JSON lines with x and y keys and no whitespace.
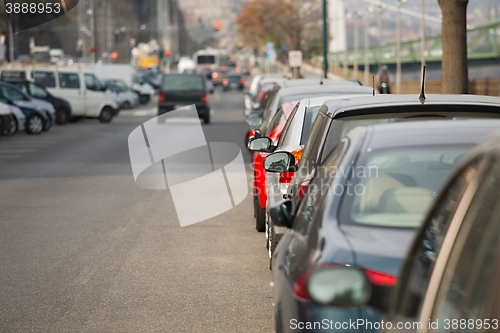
{"x":242,"y":81}
{"x":380,"y":279}
{"x":302,"y":189}
{"x":204,"y":98}
{"x":225,"y":81}
{"x":375,"y":278}
{"x":161,"y":98}
{"x":261,"y":96}
{"x":223,"y":69}
{"x":251,"y":134}
{"x":238,"y":69}
{"x":286,"y":177}
{"x":215,"y":75}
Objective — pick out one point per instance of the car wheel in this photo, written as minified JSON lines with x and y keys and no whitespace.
{"x":143,"y":99}
{"x":34,"y":124}
{"x":260,"y":218}
{"x":106,"y":115}
{"x":62,"y":116}
{"x":206,"y":117}
{"x":48,"y":124}
{"x":127,"y":105}
{"x":11,"y":128}
{"x":273,"y":241}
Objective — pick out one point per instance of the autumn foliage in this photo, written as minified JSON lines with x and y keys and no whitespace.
{"x":270,"y":20}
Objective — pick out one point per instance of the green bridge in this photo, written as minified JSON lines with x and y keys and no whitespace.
{"x":483,"y":49}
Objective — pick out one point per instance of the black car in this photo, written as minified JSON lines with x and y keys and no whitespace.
{"x":233,"y":82}
{"x":178,"y":90}
{"x":361,"y":210}
{"x":62,"y":106}
{"x":337,"y":117}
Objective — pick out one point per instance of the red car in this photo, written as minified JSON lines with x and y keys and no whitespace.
{"x":259,"y":184}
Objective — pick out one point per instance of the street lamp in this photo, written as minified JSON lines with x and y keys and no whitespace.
{"x":398,"y":47}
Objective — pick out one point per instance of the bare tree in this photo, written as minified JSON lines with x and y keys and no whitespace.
{"x":454,"y":34}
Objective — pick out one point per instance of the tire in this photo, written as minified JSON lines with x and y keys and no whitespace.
{"x":143,"y":99}
{"x":49,"y":123}
{"x":260,"y":218}
{"x":34,"y":124}
{"x":127,"y":105}
{"x":62,"y":116}
{"x":106,"y":115}
{"x":11,"y":128}
{"x":206,"y":117}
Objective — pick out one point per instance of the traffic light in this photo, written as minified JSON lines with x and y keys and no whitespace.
{"x":217,"y":25}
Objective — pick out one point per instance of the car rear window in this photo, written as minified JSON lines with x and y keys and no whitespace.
{"x":182,"y":83}
{"x":395,"y":187}
{"x":233,"y":79}
{"x":206,"y":59}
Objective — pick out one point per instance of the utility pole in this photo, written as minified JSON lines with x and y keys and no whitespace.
{"x":366,"y":42}
{"x":422,"y":33}
{"x":325,"y":39}
{"x":93,"y":31}
{"x":398,"y":48}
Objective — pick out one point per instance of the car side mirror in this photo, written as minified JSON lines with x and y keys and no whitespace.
{"x":254,"y":121}
{"x":248,"y":112}
{"x":257,"y":133}
{"x":104,"y":87}
{"x":262,"y":144}
{"x":281,"y":214}
{"x":339,"y":286}
{"x":279,"y":162}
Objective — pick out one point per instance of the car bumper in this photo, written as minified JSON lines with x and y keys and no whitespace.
{"x":202,"y":109}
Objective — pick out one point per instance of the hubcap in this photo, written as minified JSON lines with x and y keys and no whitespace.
{"x":35,"y":124}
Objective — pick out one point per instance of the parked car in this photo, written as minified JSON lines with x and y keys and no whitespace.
{"x":233,"y":82}
{"x":35,"y":120}
{"x":78,"y":85}
{"x":127,"y":98}
{"x":6,"y":120}
{"x":362,"y":210}
{"x":18,"y":120}
{"x":178,"y":90}
{"x":337,"y":117}
{"x":13,"y":93}
{"x":253,"y":87}
{"x":273,"y":134}
{"x":62,"y":106}
{"x":291,"y":91}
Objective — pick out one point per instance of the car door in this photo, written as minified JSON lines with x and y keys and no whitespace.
{"x":93,"y":94}
{"x":71,"y":89}
{"x":463,"y":283}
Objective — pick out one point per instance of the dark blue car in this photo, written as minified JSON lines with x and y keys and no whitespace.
{"x":36,"y":120}
{"x":361,"y":210}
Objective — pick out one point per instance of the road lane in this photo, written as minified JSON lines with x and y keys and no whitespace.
{"x":83,"y":249}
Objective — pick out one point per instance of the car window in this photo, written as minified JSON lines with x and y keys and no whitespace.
{"x":46,"y":79}
{"x":182,"y":83}
{"x":310,"y":205}
{"x":69,"y":81}
{"x":395,"y":187}
{"x":37,"y":91}
{"x":313,"y":144}
{"x":287,"y":125}
{"x":6,"y":75}
{"x":91,"y":82}
{"x":233,"y":79}
{"x":11,"y":93}
{"x":465,"y":281}
{"x":420,"y":261}
{"x":310,"y":116}
{"x":277,"y":119}
{"x":268,"y":112}
{"x":21,"y":85}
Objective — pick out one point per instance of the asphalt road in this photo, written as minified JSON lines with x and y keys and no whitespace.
{"x":84,"y":249}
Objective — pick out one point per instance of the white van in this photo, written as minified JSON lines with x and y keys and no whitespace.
{"x":129,"y":75}
{"x":77,"y":84}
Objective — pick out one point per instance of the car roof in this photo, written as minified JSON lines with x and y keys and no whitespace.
{"x":339,"y":89}
{"x":427,"y":133}
{"x":288,"y":83}
{"x":314,"y":101}
{"x":342,"y":107}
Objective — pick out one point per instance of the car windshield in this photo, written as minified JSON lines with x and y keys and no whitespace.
{"x":395,"y":187}
{"x":182,"y":83}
